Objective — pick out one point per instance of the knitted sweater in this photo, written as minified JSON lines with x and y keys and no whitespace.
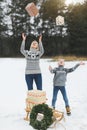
{"x":60,"y":74}
{"x":32,"y":58}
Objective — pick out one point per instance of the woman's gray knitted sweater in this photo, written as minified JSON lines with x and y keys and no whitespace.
{"x":32,"y":58}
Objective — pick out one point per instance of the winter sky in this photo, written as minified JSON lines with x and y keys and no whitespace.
{"x":73,"y":1}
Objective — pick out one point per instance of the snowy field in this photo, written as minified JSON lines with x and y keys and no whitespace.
{"x":13,"y":91}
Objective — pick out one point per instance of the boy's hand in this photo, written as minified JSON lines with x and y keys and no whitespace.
{"x":82,"y":63}
{"x":40,"y":38}
{"x":23,"y":36}
{"x":50,"y":68}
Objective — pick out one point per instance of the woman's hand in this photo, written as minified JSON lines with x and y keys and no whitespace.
{"x":23,"y":36}
{"x":40,"y":38}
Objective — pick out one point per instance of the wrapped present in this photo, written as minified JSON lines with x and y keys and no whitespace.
{"x":34,"y":97}
{"x":32,"y":9}
{"x":59,"y":20}
{"x":40,"y":116}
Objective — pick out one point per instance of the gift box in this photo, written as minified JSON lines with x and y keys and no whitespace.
{"x":32,"y":9}
{"x":35,"y":97}
{"x":59,"y":20}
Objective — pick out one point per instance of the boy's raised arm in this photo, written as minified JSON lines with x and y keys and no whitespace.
{"x":51,"y":69}
{"x":73,"y":68}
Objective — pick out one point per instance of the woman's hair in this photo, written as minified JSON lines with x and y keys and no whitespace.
{"x":33,"y":43}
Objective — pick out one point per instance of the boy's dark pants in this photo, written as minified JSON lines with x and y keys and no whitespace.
{"x":63,"y":92}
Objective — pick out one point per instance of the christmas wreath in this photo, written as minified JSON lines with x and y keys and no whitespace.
{"x":41,"y":117}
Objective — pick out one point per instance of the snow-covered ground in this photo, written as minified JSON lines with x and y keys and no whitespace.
{"x":13,"y":91}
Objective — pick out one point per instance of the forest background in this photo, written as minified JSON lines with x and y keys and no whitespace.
{"x":68,"y":39}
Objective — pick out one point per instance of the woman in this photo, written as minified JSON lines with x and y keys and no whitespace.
{"x":32,"y":71}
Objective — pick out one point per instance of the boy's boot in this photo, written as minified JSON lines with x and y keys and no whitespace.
{"x":53,"y":107}
{"x":68,"y":111}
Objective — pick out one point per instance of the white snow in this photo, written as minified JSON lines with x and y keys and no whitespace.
{"x":13,"y":91}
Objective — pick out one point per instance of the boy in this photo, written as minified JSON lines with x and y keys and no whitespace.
{"x":60,"y":74}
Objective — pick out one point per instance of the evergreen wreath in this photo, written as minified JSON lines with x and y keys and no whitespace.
{"x":47,"y":117}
